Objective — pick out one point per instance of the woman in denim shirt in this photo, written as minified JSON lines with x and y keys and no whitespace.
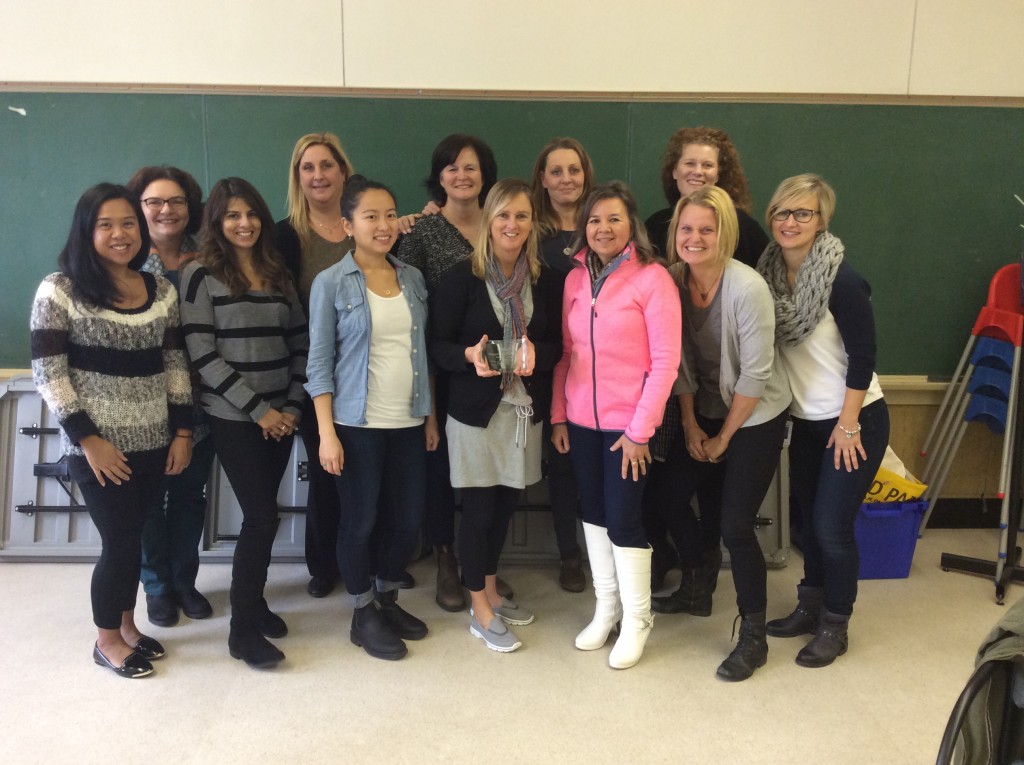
{"x":368,"y":379}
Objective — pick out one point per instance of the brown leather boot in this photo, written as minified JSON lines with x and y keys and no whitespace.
{"x":449,"y":589}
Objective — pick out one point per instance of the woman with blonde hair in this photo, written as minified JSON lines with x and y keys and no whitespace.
{"x":733,"y":396}
{"x":312,"y":239}
{"x":500,"y":391}
{"x":825,"y":336}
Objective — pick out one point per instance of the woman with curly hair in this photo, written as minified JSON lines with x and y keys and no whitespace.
{"x":694,"y":158}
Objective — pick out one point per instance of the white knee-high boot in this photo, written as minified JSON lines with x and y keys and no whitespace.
{"x":633,"y":569}
{"x":607,"y":611}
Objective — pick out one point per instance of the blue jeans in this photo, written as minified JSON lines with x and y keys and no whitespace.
{"x":174,"y":527}
{"x":385,"y":466}
{"x":607,"y":498}
{"x":828,"y":501}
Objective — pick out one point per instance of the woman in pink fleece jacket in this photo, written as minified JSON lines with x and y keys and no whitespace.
{"x":621,"y":340}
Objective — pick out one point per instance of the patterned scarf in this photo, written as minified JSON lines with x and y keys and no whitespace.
{"x":799,"y":310}
{"x":510,"y":293}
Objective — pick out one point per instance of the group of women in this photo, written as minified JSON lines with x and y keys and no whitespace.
{"x":507,"y":327}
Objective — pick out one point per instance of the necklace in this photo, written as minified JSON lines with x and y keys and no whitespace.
{"x":127,"y":290}
{"x":704,"y":293}
{"x":566,"y":237}
{"x":325,"y":227}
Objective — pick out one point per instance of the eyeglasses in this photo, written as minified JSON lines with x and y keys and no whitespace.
{"x":802,"y":216}
{"x":157,"y":203}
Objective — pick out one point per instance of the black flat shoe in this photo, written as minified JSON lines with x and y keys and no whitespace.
{"x":132,"y":667}
{"x":194,"y":605}
{"x":405,"y":581}
{"x":162,"y":610}
{"x":149,"y":649}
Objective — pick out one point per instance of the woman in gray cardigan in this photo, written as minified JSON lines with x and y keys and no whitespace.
{"x":734,"y":397}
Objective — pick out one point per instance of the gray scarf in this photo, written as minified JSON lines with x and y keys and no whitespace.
{"x":510,"y":293}
{"x":798,"y":311}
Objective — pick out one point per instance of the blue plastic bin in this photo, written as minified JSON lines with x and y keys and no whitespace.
{"x":886,"y":537}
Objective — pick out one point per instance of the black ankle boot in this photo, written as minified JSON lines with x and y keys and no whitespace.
{"x":246,"y":643}
{"x":401,"y":622}
{"x":751,"y":649}
{"x":373,"y":635}
{"x":830,"y":641}
{"x":711,"y":565}
{"x":803,"y":620}
{"x":271,"y":625}
{"x":664,"y":558}
{"x":680,"y":601}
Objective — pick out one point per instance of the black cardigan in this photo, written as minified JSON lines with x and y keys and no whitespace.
{"x":461,"y":312}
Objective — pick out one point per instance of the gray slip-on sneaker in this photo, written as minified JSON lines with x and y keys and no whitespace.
{"x":513,"y":613}
{"x":497,"y":637}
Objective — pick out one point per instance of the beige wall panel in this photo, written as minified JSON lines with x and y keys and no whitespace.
{"x":197,"y":42}
{"x":793,"y":46}
{"x":968,"y":48}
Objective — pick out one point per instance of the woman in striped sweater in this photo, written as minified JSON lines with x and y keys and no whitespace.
{"x":246,"y":336}
{"x":107,"y":359}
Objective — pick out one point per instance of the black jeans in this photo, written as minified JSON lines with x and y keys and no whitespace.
{"x":254,"y":466}
{"x":486,"y":512}
{"x":119,"y":512}
{"x":828,"y":500}
{"x":439,"y":521}
{"x":385,"y":468}
{"x":322,"y":506}
{"x":564,"y":496}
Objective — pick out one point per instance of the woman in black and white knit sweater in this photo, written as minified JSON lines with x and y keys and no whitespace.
{"x":246,"y":336}
{"x":107,"y":359}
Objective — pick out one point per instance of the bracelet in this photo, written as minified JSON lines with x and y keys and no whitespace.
{"x":849,"y":433}
{"x":183,"y":435}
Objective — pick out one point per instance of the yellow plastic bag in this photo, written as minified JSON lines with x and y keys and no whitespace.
{"x":893,"y":482}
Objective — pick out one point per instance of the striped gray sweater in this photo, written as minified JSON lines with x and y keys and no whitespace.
{"x":250,"y":351}
{"x":121,"y":374}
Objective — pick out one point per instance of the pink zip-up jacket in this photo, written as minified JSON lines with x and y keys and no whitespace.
{"x":621,"y":343}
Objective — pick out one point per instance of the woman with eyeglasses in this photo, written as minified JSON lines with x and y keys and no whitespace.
{"x":172,"y":203}
{"x":733,"y":395}
{"x":695,"y":158}
{"x":825,"y":336}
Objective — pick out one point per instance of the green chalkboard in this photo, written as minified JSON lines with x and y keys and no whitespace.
{"x":925,"y":194}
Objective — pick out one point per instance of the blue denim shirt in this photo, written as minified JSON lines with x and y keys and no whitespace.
{"x":339,"y":338}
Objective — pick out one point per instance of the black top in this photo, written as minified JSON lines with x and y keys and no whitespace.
{"x":850,"y":306}
{"x":751,"y":243}
{"x":461,"y":312}
{"x":553,"y":255}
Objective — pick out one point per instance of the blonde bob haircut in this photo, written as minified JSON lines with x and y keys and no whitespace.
{"x":800,"y":186}
{"x":544,"y":211}
{"x":720,"y":203}
{"x":298,"y":205}
{"x":498,"y":198}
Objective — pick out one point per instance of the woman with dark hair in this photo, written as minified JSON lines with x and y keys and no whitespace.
{"x":825,"y":336}
{"x":733,"y":395}
{"x":500,"y":299}
{"x":370,"y":387}
{"x":462,"y":172}
{"x":108,"y":361}
{"x":562,"y":178}
{"x":621,"y":343}
{"x":311,"y":239}
{"x":246,"y":336}
{"x":172,"y":203}
{"x":694,"y":158}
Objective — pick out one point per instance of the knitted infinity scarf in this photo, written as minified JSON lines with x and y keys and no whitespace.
{"x":510,"y":293}
{"x":798,"y":311}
